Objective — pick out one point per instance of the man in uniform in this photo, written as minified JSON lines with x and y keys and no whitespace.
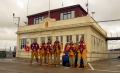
{"x":42,"y":52}
{"x":34,"y":48}
{"x":49,"y":52}
{"x":71,"y":47}
{"x":57,"y":51}
{"x":81,"y":50}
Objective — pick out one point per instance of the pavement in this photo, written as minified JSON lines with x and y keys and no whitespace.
{"x":20,"y":65}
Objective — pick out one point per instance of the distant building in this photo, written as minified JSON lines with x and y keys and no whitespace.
{"x":67,"y":23}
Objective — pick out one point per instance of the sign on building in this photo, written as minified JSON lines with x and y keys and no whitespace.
{"x":25,"y":36}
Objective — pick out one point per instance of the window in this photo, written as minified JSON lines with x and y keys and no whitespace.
{"x":68,"y":38}
{"x":61,"y":39}
{"x":72,"y":14}
{"x":50,"y":38}
{"x":67,"y":15}
{"x":23,"y":43}
{"x":42,"y":39}
{"x":38,"y":19}
{"x":32,"y":40}
{"x":61,"y":16}
{"x":77,"y":39}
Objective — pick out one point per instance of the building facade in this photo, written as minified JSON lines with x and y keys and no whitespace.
{"x":69,"y":23}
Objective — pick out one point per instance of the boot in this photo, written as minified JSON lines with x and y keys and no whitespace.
{"x":85,"y":66}
{"x":78,"y":65}
{"x":30,"y":64}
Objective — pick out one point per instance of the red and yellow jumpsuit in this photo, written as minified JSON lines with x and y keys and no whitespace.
{"x":71,"y":53}
{"x":42,"y":52}
{"x":49,"y":52}
{"x":81,"y":50}
{"x":34,"y":48}
{"x":57,"y":51}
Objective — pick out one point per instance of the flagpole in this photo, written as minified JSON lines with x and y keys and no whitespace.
{"x":49,"y":10}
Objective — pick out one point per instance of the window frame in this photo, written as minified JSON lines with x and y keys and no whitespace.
{"x":23,"y":43}
{"x":67,"y":14}
{"x":37,"y":20}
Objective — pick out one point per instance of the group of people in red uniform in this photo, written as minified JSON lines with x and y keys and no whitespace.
{"x":50,"y":53}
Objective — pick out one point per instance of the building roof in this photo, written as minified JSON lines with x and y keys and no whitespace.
{"x":117,"y":49}
{"x":63,"y":8}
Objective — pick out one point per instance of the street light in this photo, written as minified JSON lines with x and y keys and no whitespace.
{"x":17,"y":18}
{"x":92,"y":13}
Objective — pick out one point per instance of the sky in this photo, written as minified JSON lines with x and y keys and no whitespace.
{"x":104,"y":10}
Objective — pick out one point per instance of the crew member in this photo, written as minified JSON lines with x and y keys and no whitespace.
{"x":34,"y":52}
{"x":71,"y":47}
{"x":81,"y":50}
{"x":57,"y":51}
{"x":49,"y":52}
{"x":42,"y":52}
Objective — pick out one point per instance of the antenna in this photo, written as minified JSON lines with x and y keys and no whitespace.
{"x":62,"y":4}
{"x":87,"y":6}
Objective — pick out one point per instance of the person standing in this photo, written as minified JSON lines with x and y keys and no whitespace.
{"x":81,"y":50}
{"x":34,"y":52}
{"x":57,"y":49}
{"x":71,"y":47}
{"x":49,"y":52}
{"x":42,"y":52}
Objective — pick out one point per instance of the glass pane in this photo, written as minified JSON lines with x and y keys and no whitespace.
{"x":61,"y":39}
{"x":34,"y":21}
{"x":50,"y":38}
{"x":65,"y":16}
{"x":77,"y":38}
{"x":67,"y":39}
{"x":21,"y":41}
{"x":42,"y":17}
{"x":70,"y":38}
{"x":72,"y":14}
{"x":61,"y":16}
{"x":37,"y":20}
{"x":69,"y":16}
{"x":21,"y":46}
{"x":42,"y":39}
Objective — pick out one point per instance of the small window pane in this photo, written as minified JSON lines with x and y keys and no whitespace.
{"x":61,"y":39}
{"x":37,"y":20}
{"x":42,"y":39}
{"x":50,"y":38}
{"x":72,"y":14}
{"x":65,"y":16}
{"x":70,"y":38}
{"x":34,"y":20}
{"x":67,"y":39}
{"x":69,"y":16}
{"x":77,"y":38}
{"x":61,"y":16}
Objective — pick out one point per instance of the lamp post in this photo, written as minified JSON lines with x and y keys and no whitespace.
{"x":92,"y":13}
{"x":17,"y":18}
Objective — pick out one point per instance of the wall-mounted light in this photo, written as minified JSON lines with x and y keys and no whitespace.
{"x":17,"y":18}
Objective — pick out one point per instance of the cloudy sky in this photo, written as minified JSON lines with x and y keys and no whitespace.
{"x":104,"y":10}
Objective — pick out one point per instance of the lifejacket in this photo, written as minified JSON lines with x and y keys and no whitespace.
{"x":71,"y":47}
{"x":49,"y":46}
{"x":57,"y":42}
{"x":81,"y":45}
{"x":42,"y":46}
{"x":34,"y":46}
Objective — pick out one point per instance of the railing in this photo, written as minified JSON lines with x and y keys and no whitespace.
{"x":104,"y":56}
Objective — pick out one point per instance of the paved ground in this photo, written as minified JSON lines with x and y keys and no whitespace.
{"x":18,"y":65}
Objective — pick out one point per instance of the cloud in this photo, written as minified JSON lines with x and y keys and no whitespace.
{"x":104,"y":10}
